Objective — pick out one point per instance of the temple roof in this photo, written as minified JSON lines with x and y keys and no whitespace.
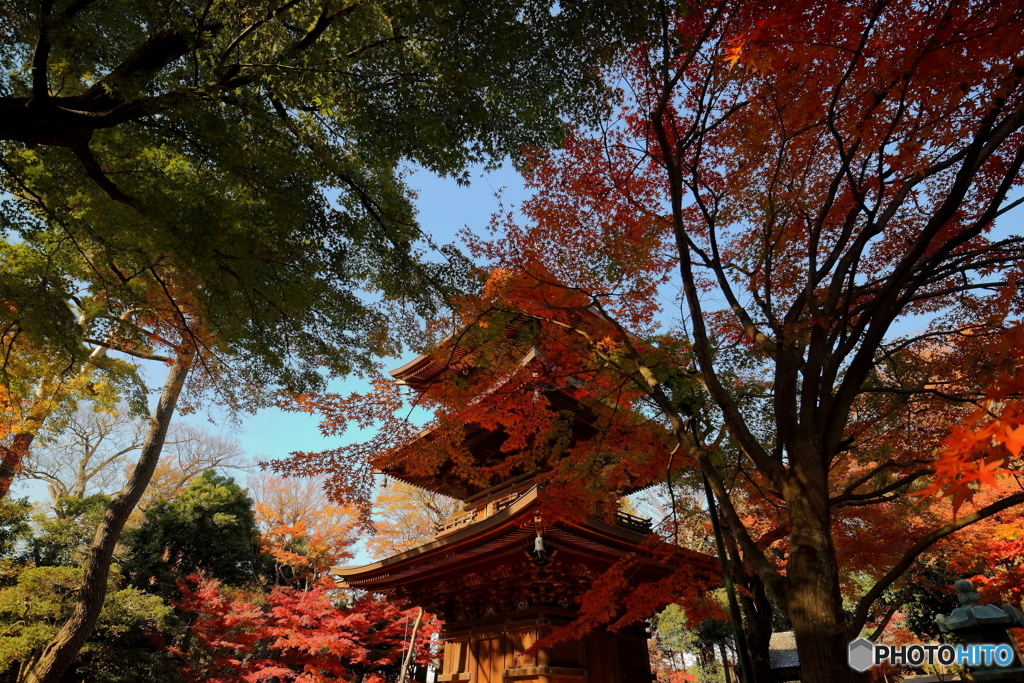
{"x":420,"y":372}
{"x":503,"y":539}
{"x":462,"y":363}
{"x":484,"y":445}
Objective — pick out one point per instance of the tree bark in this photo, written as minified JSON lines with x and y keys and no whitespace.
{"x":61,"y":652}
{"x":814,"y":603}
{"x":757,"y":623}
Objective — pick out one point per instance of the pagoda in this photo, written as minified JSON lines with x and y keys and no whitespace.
{"x":501,"y":578}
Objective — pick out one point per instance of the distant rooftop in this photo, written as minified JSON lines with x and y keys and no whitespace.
{"x":782,"y":654}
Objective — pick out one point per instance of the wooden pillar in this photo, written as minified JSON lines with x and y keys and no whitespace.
{"x":543,"y":655}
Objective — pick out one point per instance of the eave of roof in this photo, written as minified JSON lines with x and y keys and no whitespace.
{"x":494,"y":536}
{"x":479,"y":532}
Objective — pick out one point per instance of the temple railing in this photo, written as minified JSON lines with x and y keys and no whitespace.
{"x":503,"y":503}
{"x":451,"y":523}
{"x":479,"y":514}
{"x":632,"y":522}
{"x":623,"y":519}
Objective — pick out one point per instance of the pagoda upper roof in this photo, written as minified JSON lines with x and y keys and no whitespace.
{"x":424,"y":370}
{"x":420,"y":372}
{"x":463,"y":359}
{"x":483,"y":444}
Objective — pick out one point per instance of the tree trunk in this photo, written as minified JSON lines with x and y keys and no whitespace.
{"x":814,"y":604}
{"x":757,"y":624}
{"x":61,"y":652}
{"x":13,"y":455}
{"x":412,"y":647}
{"x":725,"y":663}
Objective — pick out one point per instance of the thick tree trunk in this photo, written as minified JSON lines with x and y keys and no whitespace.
{"x":61,"y":652}
{"x":814,"y":604}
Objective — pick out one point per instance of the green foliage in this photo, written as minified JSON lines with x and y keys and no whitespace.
{"x":926,"y":593}
{"x":35,"y":309}
{"x":15,"y":533}
{"x":40,"y":336}
{"x":62,"y":539}
{"x":671,"y":630}
{"x":127,"y":643}
{"x":208,"y":529}
{"x":258,"y":160}
{"x":33,"y":610}
{"x":122,"y":646}
{"x":713,"y":632}
{"x":675,"y":634}
{"x":14,"y":524}
{"x":387,"y":78}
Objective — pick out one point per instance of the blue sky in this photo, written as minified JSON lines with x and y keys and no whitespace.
{"x":444,"y":209}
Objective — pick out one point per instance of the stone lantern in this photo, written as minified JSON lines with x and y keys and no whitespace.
{"x":976,"y":624}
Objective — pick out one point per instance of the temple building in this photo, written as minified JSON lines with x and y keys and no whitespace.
{"x":500,"y":578}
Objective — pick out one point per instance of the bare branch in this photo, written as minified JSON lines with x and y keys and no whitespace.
{"x":137,"y":354}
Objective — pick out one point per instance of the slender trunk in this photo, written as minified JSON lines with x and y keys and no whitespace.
{"x":61,"y":652}
{"x":757,"y":624}
{"x":412,"y":647}
{"x":725,"y":663}
{"x":705,"y":657}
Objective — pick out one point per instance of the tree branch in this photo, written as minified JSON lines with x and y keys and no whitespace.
{"x":768,"y":573}
{"x":321,"y":25}
{"x":41,"y":55}
{"x":848,"y":498}
{"x":271,"y":15}
{"x":92,"y":167}
{"x":915,"y":550}
{"x":148,"y":59}
{"x":136,"y":354}
{"x":885,"y":622}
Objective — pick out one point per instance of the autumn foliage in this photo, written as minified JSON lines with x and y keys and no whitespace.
{"x":406,"y":517}
{"x":294,"y":635}
{"x":989,"y":440}
{"x":782,"y":266}
{"x":303,"y":533}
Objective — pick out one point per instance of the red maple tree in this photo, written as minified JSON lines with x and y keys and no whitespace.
{"x":816,"y":188}
{"x":295,"y":635}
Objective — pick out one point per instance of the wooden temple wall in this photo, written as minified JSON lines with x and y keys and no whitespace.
{"x":498,"y":655}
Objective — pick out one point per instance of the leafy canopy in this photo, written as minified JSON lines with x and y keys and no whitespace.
{"x":253,"y":156}
{"x":122,"y":649}
{"x":210,"y":528}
